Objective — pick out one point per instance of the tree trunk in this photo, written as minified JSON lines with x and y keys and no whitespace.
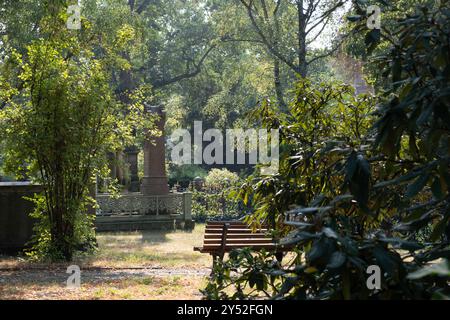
{"x":278,"y":85}
{"x":302,"y":65}
{"x":276,"y":67}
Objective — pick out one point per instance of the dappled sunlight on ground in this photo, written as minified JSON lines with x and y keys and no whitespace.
{"x":52,"y":286}
{"x":136,"y":249}
{"x":127,"y":265}
{"x":151,"y":248}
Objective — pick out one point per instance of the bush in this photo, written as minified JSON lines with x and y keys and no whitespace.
{"x":185,"y":174}
{"x":42,"y":248}
{"x":360,"y":191}
{"x":215,"y":206}
{"x":220,"y":179}
{"x":60,"y":119}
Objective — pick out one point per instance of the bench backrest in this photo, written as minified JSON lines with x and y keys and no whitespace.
{"x":224,"y":236}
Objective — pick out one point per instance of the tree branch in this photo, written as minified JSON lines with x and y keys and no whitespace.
{"x":264,"y":39}
{"x":330,"y":52}
{"x":327,"y":13}
{"x":319,"y":32}
{"x":143,"y":6}
{"x":188,"y":74}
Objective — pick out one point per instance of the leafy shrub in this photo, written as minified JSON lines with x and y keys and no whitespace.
{"x":41,"y":246}
{"x":220,"y":179}
{"x":59,"y":118}
{"x":213,"y":202}
{"x":355,"y":191}
{"x":185,"y":174}
{"x":215,"y":206}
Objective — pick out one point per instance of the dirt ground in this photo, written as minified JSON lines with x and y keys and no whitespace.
{"x":134,"y":265}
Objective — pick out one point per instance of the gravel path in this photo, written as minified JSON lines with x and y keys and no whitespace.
{"x":150,"y":283}
{"x":37,"y":275}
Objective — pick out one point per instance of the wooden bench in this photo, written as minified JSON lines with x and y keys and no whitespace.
{"x":222,"y":237}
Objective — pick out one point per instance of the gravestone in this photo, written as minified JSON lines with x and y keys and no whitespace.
{"x":154,"y":207}
{"x":155,"y":180}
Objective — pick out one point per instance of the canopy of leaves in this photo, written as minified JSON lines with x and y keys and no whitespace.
{"x":364,"y":193}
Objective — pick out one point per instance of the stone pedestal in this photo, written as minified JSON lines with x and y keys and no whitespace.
{"x":155,"y":180}
{"x":132,"y":160}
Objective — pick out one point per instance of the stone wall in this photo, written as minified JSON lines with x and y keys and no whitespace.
{"x":128,"y":213}
{"x":16,"y":227}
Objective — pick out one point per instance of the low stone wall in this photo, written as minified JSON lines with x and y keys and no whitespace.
{"x":135,"y":211}
{"x":140,"y":223}
{"x":16,"y":227}
{"x":131,"y":212}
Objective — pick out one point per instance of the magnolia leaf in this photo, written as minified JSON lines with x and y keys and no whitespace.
{"x":418,"y":185}
{"x":439,"y":269}
{"x":354,"y":18}
{"x":337,"y":259}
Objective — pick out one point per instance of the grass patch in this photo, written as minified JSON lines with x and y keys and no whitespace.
{"x":148,"y":288}
{"x":150,"y":248}
{"x":164,"y":252}
{"x":165,"y":249}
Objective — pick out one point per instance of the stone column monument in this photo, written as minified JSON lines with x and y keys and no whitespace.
{"x":155,"y":179}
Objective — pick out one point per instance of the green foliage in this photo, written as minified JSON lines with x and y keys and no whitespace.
{"x":43,"y":248}
{"x":321,"y":135}
{"x":367,"y":197}
{"x":215,"y":205}
{"x":220,"y":179}
{"x":185,"y":174}
{"x":59,"y":119}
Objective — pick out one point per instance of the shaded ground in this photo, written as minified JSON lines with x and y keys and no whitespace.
{"x":133,"y":265}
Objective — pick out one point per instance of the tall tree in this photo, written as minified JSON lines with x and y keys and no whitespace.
{"x":58,"y":120}
{"x":286,"y":29}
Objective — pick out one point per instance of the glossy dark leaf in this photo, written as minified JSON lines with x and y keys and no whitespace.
{"x":337,"y":260}
{"x":418,"y":185}
{"x":385,"y":260}
{"x":402,"y":244}
{"x":354,"y":18}
{"x":438,"y":269}
{"x":296,"y":237}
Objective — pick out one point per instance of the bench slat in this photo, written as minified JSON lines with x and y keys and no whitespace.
{"x":217,"y":230}
{"x":237,"y":235}
{"x":242,"y":240}
{"x":215,"y":248}
{"x":233,"y":226}
{"x":221,"y":237}
{"x":231,"y":223}
{"x":224,"y":222}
